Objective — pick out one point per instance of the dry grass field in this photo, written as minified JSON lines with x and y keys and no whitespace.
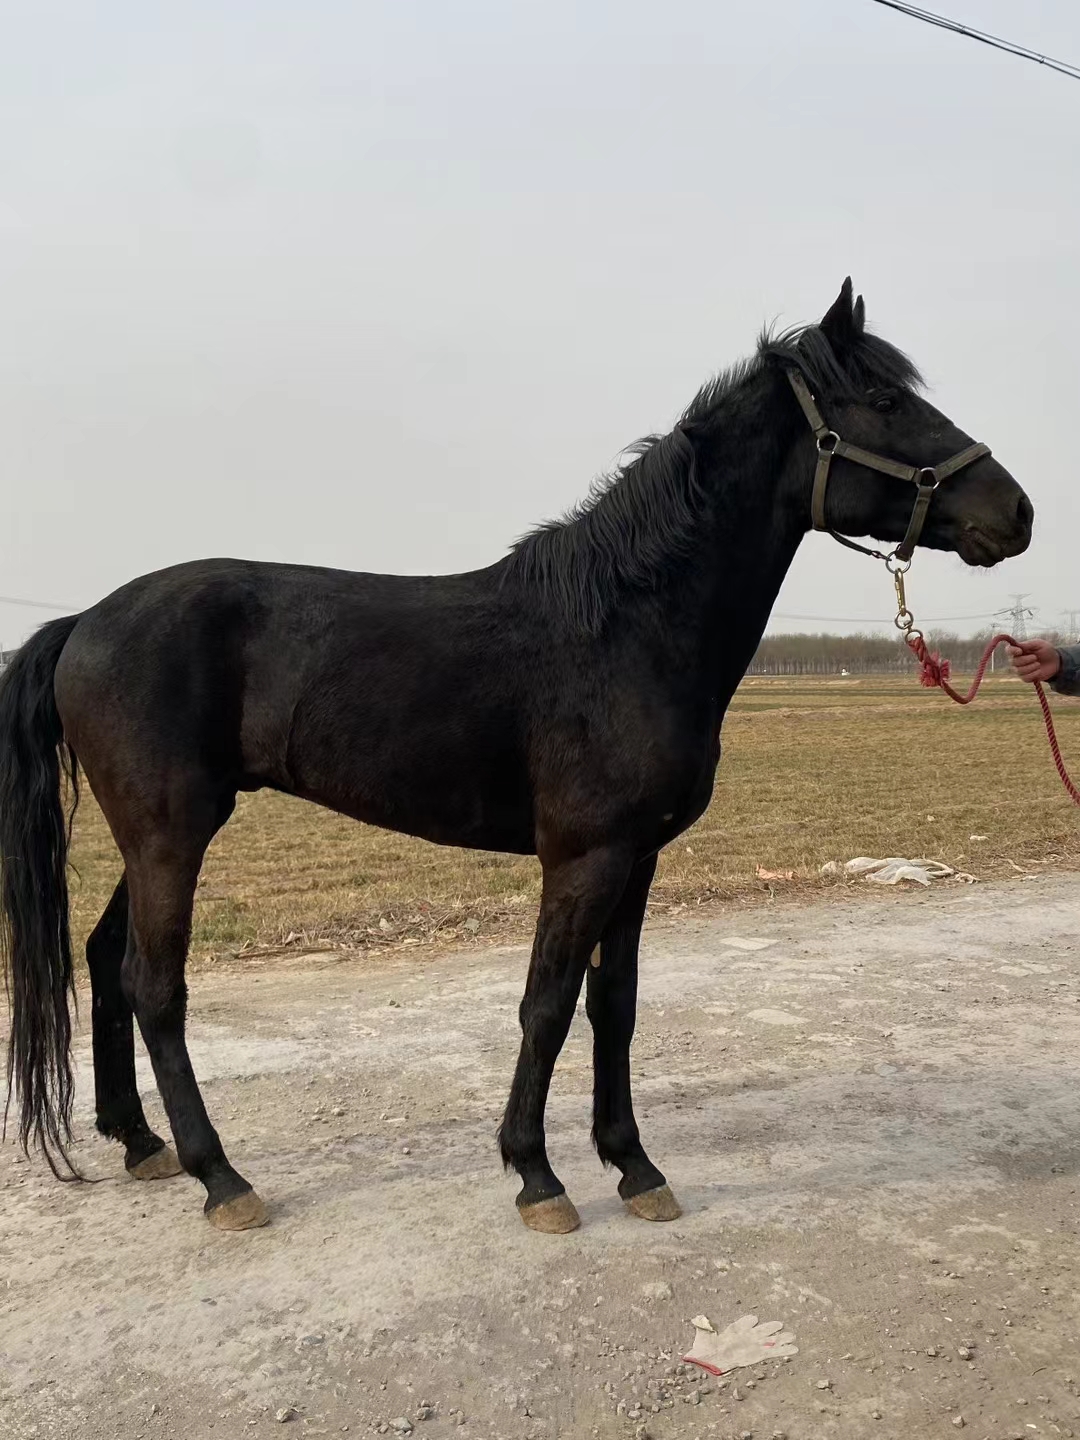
{"x":813,"y":770}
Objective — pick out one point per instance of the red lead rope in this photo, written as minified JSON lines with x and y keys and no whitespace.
{"x":935,"y":673}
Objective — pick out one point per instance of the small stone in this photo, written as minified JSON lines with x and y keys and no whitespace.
{"x":405,"y":1150}
{"x":642,"y":1432}
{"x":824,"y":1384}
{"x":875,"y":1414}
{"x":155,"y":1409}
{"x":958,"y":1421}
{"x":402,"y":1425}
{"x":338,"y":1110}
{"x":736,"y":1393}
{"x":963,"y":1353}
{"x":425,"y":1412}
{"x":657,"y":1290}
{"x":285,"y":1414}
{"x":932,"y":1351}
{"x":746,"y":1435}
{"x":779,"y":1435}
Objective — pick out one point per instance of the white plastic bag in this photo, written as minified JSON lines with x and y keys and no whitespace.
{"x":895,"y":868}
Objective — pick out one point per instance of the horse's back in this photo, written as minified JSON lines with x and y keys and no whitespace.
{"x":392,"y":698}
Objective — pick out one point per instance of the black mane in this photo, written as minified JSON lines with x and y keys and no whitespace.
{"x":639,"y":518}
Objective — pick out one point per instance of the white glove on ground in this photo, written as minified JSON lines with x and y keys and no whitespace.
{"x":744,"y":1342}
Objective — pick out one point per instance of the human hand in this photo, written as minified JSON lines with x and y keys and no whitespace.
{"x":1035,"y":660}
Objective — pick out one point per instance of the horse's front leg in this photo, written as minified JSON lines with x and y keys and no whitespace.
{"x":578,"y":898}
{"x":611,"y":1001}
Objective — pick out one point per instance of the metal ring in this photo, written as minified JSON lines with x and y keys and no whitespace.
{"x":830,"y":449}
{"x":935,"y":479}
{"x":895,"y":566}
{"x":904,"y":621}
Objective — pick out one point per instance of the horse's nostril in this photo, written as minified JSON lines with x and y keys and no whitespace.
{"x":1025,"y":511}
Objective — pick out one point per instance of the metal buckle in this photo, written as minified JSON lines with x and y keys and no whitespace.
{"x":830,"y":449}
{"x":898,"y":569}
{"x":931,"y":483}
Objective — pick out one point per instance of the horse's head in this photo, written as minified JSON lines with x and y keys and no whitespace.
{"x":862,"y":395}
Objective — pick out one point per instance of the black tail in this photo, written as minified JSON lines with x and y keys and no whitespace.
{"x":34,"y":941}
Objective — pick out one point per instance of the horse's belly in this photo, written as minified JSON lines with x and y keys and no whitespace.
{"x":456,"y":806}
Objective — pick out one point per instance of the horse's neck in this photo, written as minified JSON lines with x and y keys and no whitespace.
{"x":751,"y":464}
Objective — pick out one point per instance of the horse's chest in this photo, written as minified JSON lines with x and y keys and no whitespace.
{"x":669,"y":782}
{"x":691,"y":785}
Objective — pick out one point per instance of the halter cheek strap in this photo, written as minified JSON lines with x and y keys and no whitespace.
{"x":926,"y":478}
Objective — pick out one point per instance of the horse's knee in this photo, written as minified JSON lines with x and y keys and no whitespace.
{"x":158,"y":1000}
{"x":545,"y":1021}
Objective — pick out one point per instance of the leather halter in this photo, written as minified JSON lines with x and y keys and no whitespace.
{"x":926,"y":478}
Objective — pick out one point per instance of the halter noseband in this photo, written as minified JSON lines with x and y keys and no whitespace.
{"x":926,"y":478}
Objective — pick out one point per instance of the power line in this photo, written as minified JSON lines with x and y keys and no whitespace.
{"x":878,"y":619}
{"x":1010,"y":47}
{"x":39,"y":604}
{"x":776,"y":614}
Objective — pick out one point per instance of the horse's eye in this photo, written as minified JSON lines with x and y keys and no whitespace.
{"x":884,"y":404}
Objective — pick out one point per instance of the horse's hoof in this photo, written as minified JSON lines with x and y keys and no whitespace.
{"x":556,"y":1216}
{"x":243,"y":1212}
{"x":658,"y":1204}
{"x":158,"y":1166}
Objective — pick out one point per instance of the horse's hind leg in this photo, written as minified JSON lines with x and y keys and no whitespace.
{"x":119,"y":1109}
{"x":162,"y":871}
{"x":578,"y":898}
{"x":611,"y":1002}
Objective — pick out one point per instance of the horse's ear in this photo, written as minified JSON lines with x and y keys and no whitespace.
{"x":839,"y":322}
{"x":858,"y":315}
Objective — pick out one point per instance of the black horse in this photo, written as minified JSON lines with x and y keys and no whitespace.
{"x":564,"y":702}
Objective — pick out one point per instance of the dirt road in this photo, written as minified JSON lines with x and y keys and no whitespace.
{"x":870,"y":1111}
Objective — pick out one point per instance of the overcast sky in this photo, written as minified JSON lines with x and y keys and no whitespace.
{"x":379,"y":285}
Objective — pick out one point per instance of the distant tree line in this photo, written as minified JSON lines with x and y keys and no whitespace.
{"x":867,"y":654}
